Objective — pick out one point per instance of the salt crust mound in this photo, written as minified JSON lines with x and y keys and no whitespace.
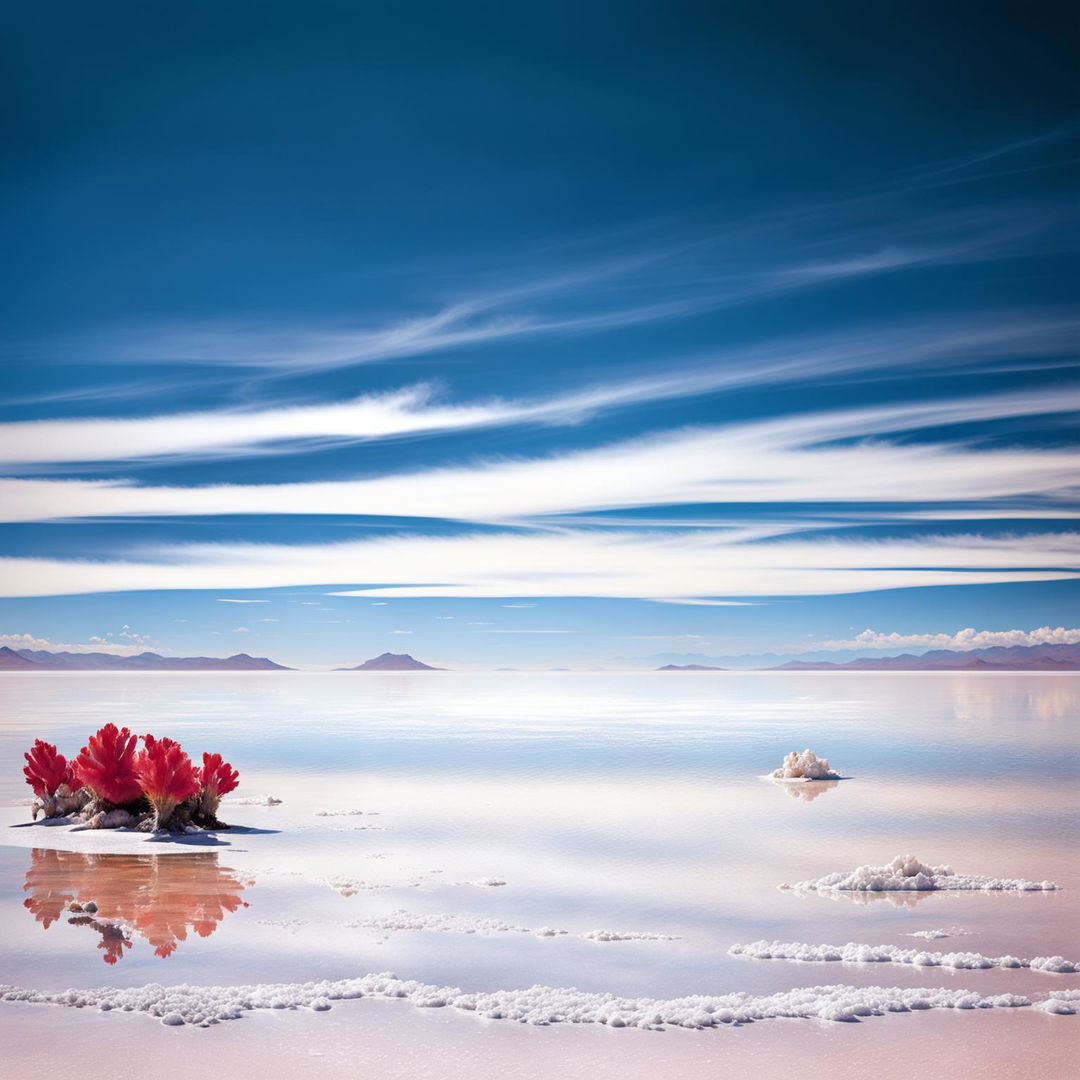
{"x":205,"y":1005}
{"x":890,"y":954}
{"x":906,"y":873}
{"x":253,"y":800}
{"x":804,"y":766}
{"x":1062,"y":1002}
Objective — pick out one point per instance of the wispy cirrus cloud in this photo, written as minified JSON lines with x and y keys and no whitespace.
{"x":863,"y":235}
{"x":595,"y":563}
{"x":835,"y":456}
{"x":889,"y":350}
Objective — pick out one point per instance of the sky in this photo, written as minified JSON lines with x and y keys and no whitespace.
{"x":539,"y":335}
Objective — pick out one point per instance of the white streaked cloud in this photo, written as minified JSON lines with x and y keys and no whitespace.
{"x":228,"y":600}
{"x":963,"y":640}
{"x":415,"y":410}
{"x":650,"y":565}
{"x":793,"y":459}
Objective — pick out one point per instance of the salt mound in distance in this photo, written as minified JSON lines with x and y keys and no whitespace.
{"x":891,"y":954}
{"x":804,"y":766}
{"x":906,"y":874}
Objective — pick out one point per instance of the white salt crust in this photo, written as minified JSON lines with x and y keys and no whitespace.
{"x":804,"y":766}
{"x":890,"y":954}
{"x":446,"y":924}
{"x":252,"y":800}
{"x":1062,"y":1003}
{"x":906,"y":874}
{"x":628,"y":935}
{"x":944,"y":932}
{"x":469,"y":924}
{"x":542,"y":1005}
{"x":346,"y":813}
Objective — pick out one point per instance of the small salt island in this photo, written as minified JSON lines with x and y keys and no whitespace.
{"x":804,"y":766}
{"x":112,"y":785}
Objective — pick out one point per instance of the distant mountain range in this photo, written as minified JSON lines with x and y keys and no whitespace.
{"x":389,"y":661}
{"x":40,"y":660}
{"x":997,"y":658}
{"x":689,"y":667}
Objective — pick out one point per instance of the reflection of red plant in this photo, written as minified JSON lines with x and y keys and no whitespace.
{"x":106,"y":765}
{"x":166,"y":775}
{"x":216,"y":778}
{"x":46,"y":770}
{"x":156,"y":897}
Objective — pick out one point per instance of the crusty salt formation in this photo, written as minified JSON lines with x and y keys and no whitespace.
{"x":852,"y":953}
{"x":1062,"y":1003}
{"x":542,"y":1005}
{"x":804,"y":766}
{"x":906,"y":874}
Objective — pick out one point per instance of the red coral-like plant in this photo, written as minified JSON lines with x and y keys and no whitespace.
{"x":216,"y":778}
{"x":166,"y":775}
{"x":46,"y":770}
{"x":106,"y":765}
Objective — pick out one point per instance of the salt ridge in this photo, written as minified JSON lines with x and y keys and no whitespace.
{"x":944,"y":932}
{"x":541,"y":1005}
{"x":852,"y":953}
{"x":906,"y":874}
{"x":402,"y":920}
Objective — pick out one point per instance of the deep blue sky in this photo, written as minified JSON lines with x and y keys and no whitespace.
{"x":584,"y":306}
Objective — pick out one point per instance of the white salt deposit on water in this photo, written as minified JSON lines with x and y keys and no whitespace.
{"x":804,"y":766}
{"x":346,"y":813}
{"x":470,"y":924}
{"x":542,"y":1005}
{"x":292,"y":925}
{"x":1062,"y":1002}
{"x":906,"y":873}
{"x":628,"y":935}
{"x":485,"y":883}
{"x":445,"y":924}
{"x":934,"y":935}
{"x":252,"y":800}
{"x":890,"y":954}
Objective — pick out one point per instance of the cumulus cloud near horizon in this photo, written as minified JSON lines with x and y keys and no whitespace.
{"x":963,"y":640}
{"x":94,"y":645}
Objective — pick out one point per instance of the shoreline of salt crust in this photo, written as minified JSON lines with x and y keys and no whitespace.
{"x":852,"y":953}
{"x":538,"y":1005}
{"x":906,"y":874}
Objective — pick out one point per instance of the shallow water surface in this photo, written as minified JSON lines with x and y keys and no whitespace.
{"x":628,"y":803}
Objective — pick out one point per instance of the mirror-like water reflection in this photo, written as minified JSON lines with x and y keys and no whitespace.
{"x":154,"y":897}
{"x":809,"y":791}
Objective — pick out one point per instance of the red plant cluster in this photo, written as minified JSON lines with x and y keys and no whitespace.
{"x":46,"y":770}
{"x":217,"y":778}
{"x":106,"y":765}
{"x":117,"y":775}
{"x":165,"y":774}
